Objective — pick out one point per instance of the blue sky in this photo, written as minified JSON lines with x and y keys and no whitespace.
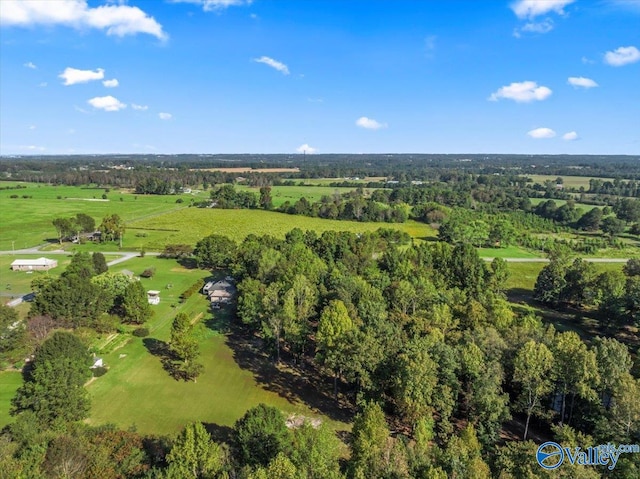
{"x":326,"y":76}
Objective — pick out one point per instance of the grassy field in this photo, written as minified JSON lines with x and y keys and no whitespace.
{"x":26,"y":222}
{"x":508,"y":252}
{"x":568,"y":181}
{"x":192,"y":224}
{"x":282,"y":194}
{"x":523,"y":275}
{"x":10,"y":381}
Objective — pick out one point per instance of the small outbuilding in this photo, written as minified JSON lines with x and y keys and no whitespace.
{"x":153,"y":296}
{"x":40,"y":264}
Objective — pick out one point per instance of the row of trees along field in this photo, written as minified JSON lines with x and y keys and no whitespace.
{"x":616,"y":174}
{"x":418,"y":340}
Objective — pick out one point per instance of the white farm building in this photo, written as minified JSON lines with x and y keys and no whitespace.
{"x":40,"y":264}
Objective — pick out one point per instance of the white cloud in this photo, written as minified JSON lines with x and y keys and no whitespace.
{"x":32,"y":148}
{"x":281,"y":67}
{"x":111,"y":83}
{"x":522,"y":92}
{"x":118,"y":20}
{"x":106,"y":103}
{"x":165,"y":116}
{"x":587,"y":61}
{"x":622,"y":56}
{"x":209,"y":5}
{"x":30,"y":65}
{"x":309,"y":150}
{"x":571,"y":136}
{"x":71,"y":76}
{"x":139,"y":107}
{"x":582,"y":82}
{"x":32,"y":127}
{"x":369,"y":123}
{"x":539,"y":133}
{"x":535,"y":8}
{"x":538,"y":27}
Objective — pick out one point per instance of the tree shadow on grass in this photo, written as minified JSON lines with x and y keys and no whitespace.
{"x":219,"y":433}
{"x":161,"y":350}
{"x":294,"y":382}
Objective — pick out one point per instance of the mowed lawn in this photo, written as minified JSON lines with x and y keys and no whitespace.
{"x":507,"y":252}
{"x":10,"y":381}
{"x":192,"y":224}
{"x":26,"y":222}
{"x":138,"y":392}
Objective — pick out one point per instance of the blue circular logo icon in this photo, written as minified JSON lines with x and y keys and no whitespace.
{"x":550,"y":455}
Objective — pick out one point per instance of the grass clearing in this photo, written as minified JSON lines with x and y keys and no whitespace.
{"x":282,"y":194}
{"x":507,"y":252}
{"x":192,"y":224}
{"x":26,"y":222}
{"x":10,"y":381}
{"x":568,"y":181}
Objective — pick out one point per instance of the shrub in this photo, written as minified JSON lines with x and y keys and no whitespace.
{"x":141,"y":332}
{"x":179,"y":200}
{"x":194,"y":288}
{"x":99,"y":371}
{"x":148,"y":273}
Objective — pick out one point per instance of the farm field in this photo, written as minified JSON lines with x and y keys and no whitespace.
{"x":26,"y":222}
{"x":581,"y":206}
{"x":568,"y":181}
{"x":192,"y":224}
{"x":282,"y":194}
{"x":508,"y":252}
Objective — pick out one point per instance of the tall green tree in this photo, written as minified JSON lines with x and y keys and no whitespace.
{"x":316,"y":452}
{"x":215,"y":251}
{"x":195,"y":455}
{"x":63,"y":226}
{"x":532,"y":370}
{"x":112,"y":228}
{"x":135,"y":306}
{"x":574,"y":369}
{"x":370,"y":433}
{"x":99,"y":263}
{"x":184,"y":347}
{"x":54,"y":386}
{"x":261,"y":434}
{"x":333,"y":328}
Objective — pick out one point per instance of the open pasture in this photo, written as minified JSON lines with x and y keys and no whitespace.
{"x":568,"y":180}
{"x":26,"y":222}
{"x":282,"y":194}
{"x":192,"y":224}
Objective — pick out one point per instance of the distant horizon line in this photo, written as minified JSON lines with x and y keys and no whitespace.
{"x":20,"y":155}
